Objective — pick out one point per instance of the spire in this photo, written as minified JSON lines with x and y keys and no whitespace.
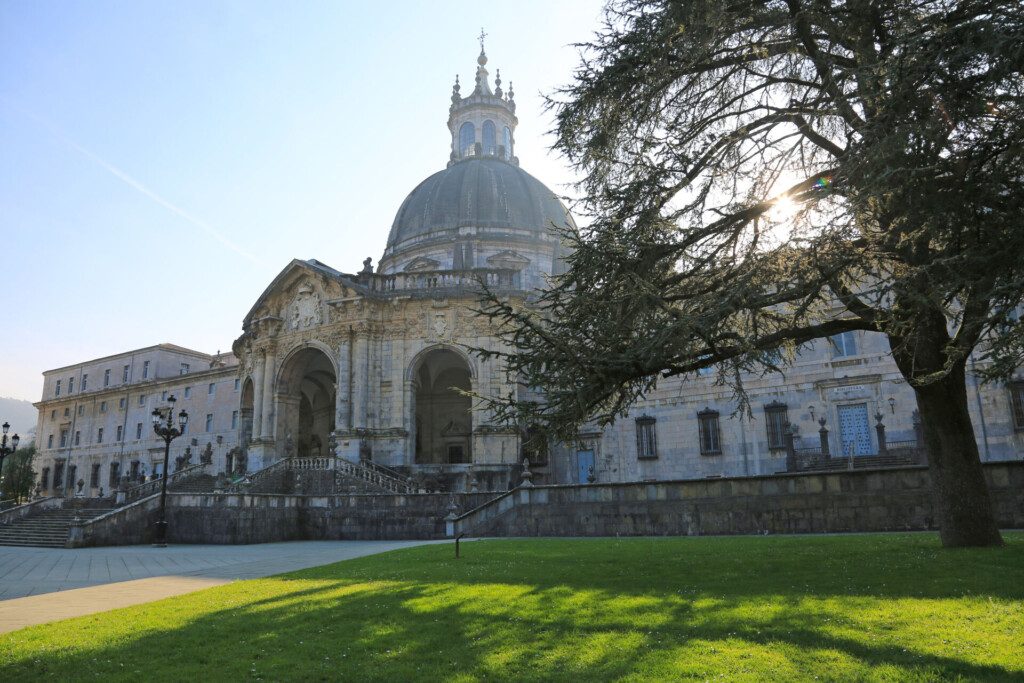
{"x":482,"y":86}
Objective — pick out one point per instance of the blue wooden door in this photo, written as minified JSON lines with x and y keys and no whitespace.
{"x":585,"y":465}
{"x":855,"y":430}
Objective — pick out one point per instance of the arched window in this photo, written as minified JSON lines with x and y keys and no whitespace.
{"x":467,"y":136}
{"x":490,"y":139}
{"x":508,"y":143}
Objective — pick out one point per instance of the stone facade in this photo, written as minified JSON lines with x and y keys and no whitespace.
{"x":375,"y":364}
{"x":95,"y":417}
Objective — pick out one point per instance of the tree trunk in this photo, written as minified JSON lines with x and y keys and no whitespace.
{"x":961,"y":494}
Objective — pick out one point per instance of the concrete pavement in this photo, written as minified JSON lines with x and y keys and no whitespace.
{"x":39,"y":585}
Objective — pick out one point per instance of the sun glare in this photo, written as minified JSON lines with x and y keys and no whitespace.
{"x":784,"y":210}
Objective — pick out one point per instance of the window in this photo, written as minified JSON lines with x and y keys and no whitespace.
{"x":121,"y":402}
{"x":67,"y":411}
{"x":467,"y":138}
{"x":81,"y":410}
{"x":188,"y":392}
{"x":106,"y":378}
{"x":103,"y":406}
{"x":145,"y":369}
{"x":71,"y":385}
{"x":63,"y":438}
{"x":184,"y":369}
{"x":45,"y":480}
{"x":844,"y":344}
{"x":49,"y":441}
{"x":209,"y":422}
{"x":94,"y":476}
{"x":115,"y":474}
{"x":646,"y":437}
{"x":85,"y":382}
{"x":776,"y":417}
{"x":490,"y":138}
{"x":710,"y":440}
{"x":138,"y":430}
{"x":124,"y":375}
{"x":120,"y":432}
{"x":1017,"y":404}
{"x":238,"y":383}
{"x":211,"y":388}
{"x":142,"y":399}
{"x":99,"y":435}
{"x":53,"y":414}
{"x":234,"y":419}
{"x":56,"y":390}
{"x":78,"y":437}
{"x":163,"y":395}
{"x":535,"y":446}
{"x":508,"y":143}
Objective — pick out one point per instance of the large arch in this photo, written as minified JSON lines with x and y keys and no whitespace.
{"x":305,"y":397}
{"x":442,"y":417}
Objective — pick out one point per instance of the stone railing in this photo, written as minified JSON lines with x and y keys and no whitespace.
{"x":261,"y":475}
{"x":28,"y":509}
{"x":314,"y":463}
{"x":494,"y":278}
{"x":153,"y":485}
{"x":375,"y":476}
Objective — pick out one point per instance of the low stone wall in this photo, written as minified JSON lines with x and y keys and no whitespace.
{"x":863,"y":500}
{"x":264,"y":518}
{"x":129,"y":525}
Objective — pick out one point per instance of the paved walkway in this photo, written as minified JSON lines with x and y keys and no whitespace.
{"x":38,"y":585}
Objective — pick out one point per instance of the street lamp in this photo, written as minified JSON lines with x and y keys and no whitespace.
{"x":5,"y":451}
{"x":165,"y":429}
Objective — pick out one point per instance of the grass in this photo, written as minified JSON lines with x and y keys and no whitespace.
{"x":873,"y":607}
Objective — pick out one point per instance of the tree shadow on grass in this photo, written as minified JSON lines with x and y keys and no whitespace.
{"x":520,"y":611}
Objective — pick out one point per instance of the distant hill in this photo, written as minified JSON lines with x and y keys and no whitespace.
{"x":21,"y":415}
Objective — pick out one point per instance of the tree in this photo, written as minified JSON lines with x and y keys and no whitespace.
{"x":894,"y":131}
{"x":17,"y":476}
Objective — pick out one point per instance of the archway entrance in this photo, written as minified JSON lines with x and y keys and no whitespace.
{"x":443,"y":416}
{"x":305,"y":404}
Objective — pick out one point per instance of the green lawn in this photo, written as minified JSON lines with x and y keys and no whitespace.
{"x":877,"y":607}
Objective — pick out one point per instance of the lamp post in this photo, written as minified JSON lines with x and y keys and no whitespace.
{"x":164,"y":427}
{"x":5,"y":451}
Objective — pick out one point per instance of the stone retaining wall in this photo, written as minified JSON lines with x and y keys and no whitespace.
{"x":879,"y":500}
{"x":264,"y":518}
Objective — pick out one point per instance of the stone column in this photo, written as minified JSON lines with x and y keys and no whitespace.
{"x":360,"y":358}
{"x":257,"y":398}
{"x":342,"y":400}
{"x":269,"y":372}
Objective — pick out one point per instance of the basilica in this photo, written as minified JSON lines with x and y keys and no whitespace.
{"x":373,"y":366}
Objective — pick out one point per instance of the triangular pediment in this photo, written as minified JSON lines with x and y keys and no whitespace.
{"x":508,"y":259}
{"x":299,"y":292}
{"x":420,"y":264}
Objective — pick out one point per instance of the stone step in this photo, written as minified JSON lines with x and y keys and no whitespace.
{"x":48,"y":528}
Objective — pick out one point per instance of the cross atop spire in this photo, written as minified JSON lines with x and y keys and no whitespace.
{"x":482,"y":36}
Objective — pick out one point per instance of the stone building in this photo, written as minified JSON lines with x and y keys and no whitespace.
{"x":94,"y":417}
{"x":374,"y":365}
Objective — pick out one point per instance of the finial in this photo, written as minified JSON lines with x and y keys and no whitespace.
{"x":497,"y":83}
{"x":482,"y":59}
{"x":456,"y":98}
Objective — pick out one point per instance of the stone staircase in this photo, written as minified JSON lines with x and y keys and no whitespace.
{"x":200,"y":483}
{"x":47,"y":529}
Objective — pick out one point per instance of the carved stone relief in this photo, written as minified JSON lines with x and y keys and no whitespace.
{"x":304,"y":309}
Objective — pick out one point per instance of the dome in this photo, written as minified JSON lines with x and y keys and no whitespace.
{"x":478,"y":192}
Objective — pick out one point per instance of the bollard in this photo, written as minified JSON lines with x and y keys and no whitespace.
{"x":457,"y":538}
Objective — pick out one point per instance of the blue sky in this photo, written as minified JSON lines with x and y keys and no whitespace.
{"x":161,"y":162}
